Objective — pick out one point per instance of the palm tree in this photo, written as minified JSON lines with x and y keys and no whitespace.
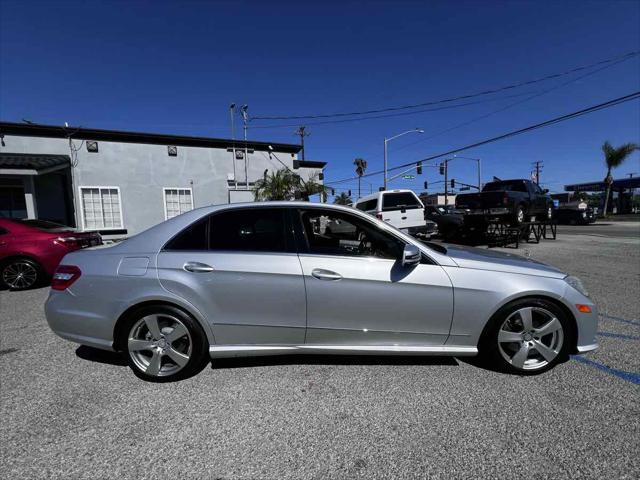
{"x":613,"y":157}
{"x":343,"y":199}
{"x":285,"y":185}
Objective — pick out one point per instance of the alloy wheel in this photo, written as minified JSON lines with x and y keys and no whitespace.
{"x":159,"y":345}
{"x":520,"y":215}
{"x":530,"y":338}
{"x":20,"y":275}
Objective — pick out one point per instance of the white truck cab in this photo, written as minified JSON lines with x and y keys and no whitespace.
{"x":401,"y":208}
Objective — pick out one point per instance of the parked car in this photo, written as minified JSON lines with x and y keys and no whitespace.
{"x":513,"y":200}
{"x":450,"y":225}
{"x":575,"y":216}
{"x":272,"y":278}
{"x":401,"y":208}
{"x":30,"y":250}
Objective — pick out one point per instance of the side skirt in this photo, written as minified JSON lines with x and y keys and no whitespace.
{"x":222,"y":351}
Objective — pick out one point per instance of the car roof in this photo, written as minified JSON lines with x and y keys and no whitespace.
{"x":376,"y":195}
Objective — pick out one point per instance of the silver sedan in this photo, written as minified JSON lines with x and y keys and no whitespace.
{"x":289,"y":277}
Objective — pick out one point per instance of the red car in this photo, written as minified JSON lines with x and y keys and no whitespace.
{"x":30,"y":250}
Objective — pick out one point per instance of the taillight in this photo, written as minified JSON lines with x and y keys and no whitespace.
{"x":505,"y":199}
{"x":379,"y":215}
{"x":72,"y":243}
{"x":65,"y":276}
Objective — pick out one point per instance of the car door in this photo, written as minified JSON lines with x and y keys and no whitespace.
{"x":359,"y":294}
{"x":240,"y":269}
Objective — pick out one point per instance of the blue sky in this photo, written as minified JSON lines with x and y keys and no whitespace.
{"x":174,"y":68}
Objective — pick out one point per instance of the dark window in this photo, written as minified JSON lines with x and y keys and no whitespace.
{"x":394,"y":201}
{"x":255,"y":229}
{"x":368,"y":205}
{"x":43,"y":224}
{"x":194,"y":237}
{"x":517,"y":186}
{"x":336,"y":233}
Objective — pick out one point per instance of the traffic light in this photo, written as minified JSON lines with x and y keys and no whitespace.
{"x":453,"y":183}
{"x":442,"y":169}
{"x":419,"y":168}
{"x":426,"y":185}
{"x":349,"y":192}
{"x":321,"y":176}
{"x":333,"y":191}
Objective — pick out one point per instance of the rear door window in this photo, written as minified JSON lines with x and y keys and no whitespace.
{"x":395,"y":201}
{"x":250,"y":230}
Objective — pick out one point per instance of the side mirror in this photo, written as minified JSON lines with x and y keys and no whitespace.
{"x":411,"y":256}
{"x":546,"y":190}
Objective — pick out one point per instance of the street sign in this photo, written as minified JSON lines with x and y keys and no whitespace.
{"x":408,"y":177}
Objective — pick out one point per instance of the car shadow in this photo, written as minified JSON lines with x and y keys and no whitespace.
{"x":275,"y":360}
{"x":100,"y":356}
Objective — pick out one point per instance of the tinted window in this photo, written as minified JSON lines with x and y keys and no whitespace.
{"x":336,"y":233}
{"x":517,"y":186}
{"x":368,"y":205}
{"x":256,"y":229}
{"x":393,"y":201}
{"x":194,"y":237}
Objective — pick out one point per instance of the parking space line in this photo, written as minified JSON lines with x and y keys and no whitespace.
{"x":623,"y":320}
{"x":618,"y":335}
{"x":632,"y":377}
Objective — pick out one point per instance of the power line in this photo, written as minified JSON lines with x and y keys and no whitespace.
{"x":447,"y":100}
{"x":511,"y":105}
{"x":358,"y":119}
{"x":562,"y":118}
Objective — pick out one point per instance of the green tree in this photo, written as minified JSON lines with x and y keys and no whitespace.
{"x":285,"y":185}
{"x":614,"y":157}
{"x":343,"y":199}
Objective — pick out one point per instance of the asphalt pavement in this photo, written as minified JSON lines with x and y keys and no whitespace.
{"x":74,"y":412}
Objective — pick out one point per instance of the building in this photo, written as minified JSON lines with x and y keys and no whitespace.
{"x":438,"y":199}
{"x":621,"y":194}
{"x":120,"y":183}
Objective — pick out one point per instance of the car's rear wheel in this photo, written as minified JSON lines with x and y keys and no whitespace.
{"x":527,"y":337}
{"x":20,"y":274}
{"x":164,"y":344}
{"x":520,"y":215}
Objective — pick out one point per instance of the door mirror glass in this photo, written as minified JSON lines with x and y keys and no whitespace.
{"x":410,"y":256}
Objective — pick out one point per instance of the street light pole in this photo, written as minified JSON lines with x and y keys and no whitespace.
{"x":386,"y":141}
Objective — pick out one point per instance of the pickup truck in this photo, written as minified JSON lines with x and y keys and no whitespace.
{"x":513,"y":200}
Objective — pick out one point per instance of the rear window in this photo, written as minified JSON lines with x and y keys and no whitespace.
{"x":42,"y":224}
{"x":367,"y":205}
{"x":394,"y":201}
{"x":509,"y":186}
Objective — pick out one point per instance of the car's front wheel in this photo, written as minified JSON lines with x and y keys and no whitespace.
{"x":527,"y":337}
{"x":164,"y":344}
{"x":20,"y":274}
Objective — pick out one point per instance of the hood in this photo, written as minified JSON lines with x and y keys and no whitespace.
{"x":482,"y":259}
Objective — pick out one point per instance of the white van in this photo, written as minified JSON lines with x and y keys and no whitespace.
{"x":401,"y":208}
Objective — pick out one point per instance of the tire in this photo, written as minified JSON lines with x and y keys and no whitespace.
{"x":527,"y":351}
{"x":519,"y":217}
{"x":20,"y":274}
{"x":163,"y":344}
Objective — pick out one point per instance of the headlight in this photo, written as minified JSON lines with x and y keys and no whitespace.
{"x":576,"y":283}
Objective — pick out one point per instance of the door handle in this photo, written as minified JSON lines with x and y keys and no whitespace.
{"x":321,"y":274}
{"x":197,"y":267}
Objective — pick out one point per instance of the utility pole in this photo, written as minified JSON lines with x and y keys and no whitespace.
{"x":301,"y":132}
{"x":245,"y":120}
{"x":232,"y":113}
{"x":446,"y":182}
{"x":538,"y":167}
